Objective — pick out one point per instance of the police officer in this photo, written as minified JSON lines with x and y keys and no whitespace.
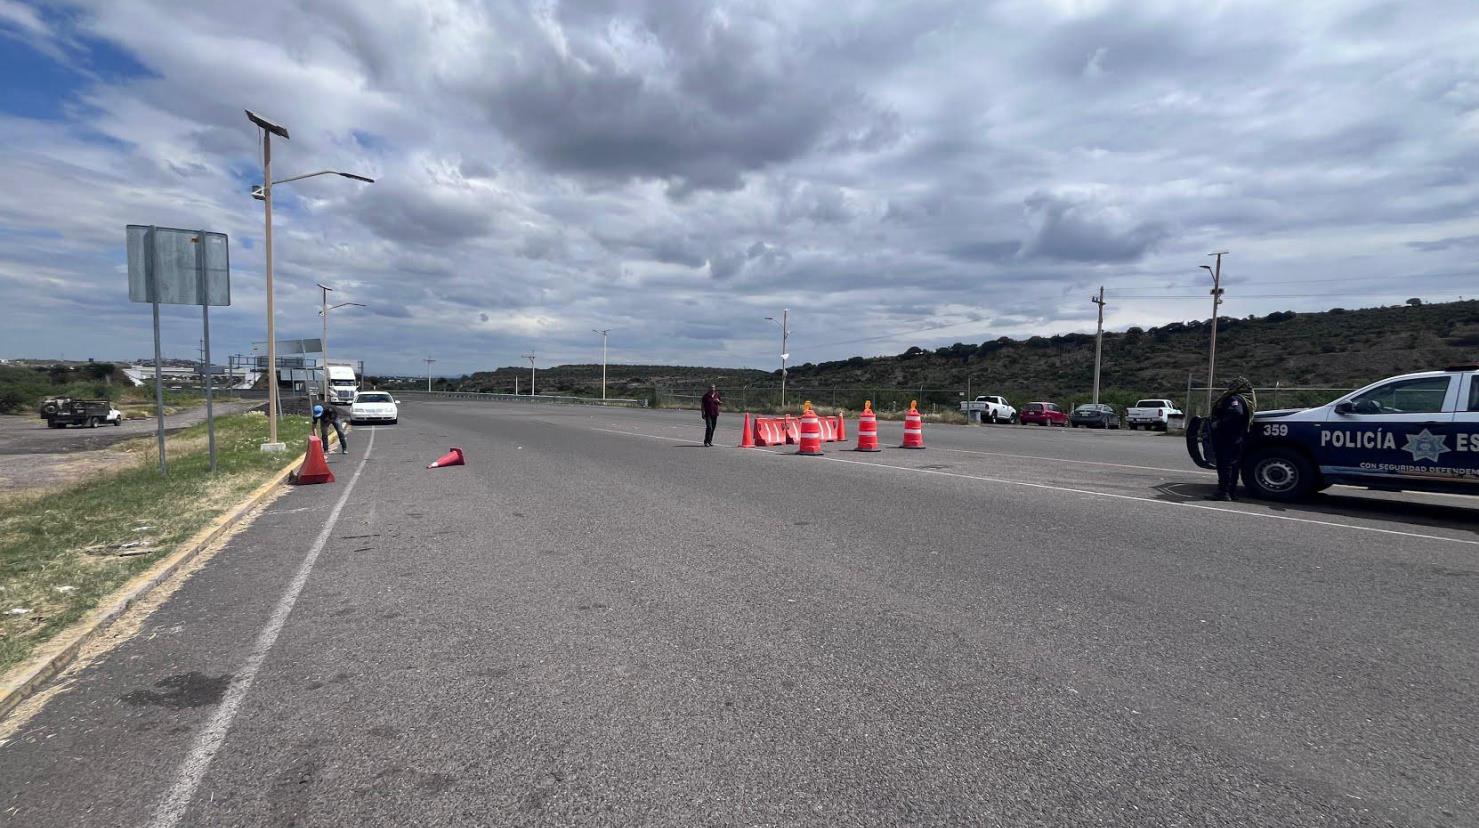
{"x":326,"y":416}
{"x":1232,"y":414}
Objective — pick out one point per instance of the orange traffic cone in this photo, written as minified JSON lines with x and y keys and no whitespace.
{"x":913,"y":427}
{"x":747,"y":437}
{"x":315,"y":468}
{"x":811,"y":432}
{"x":867,"y":429}
{"x":453,"y":457}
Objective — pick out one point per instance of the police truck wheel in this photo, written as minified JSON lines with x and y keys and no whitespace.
{"x":1280,"y":474}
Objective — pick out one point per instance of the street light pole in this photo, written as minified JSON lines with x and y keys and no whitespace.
{"x":1216,"y":302}
{"x":530,"y":357}
{"x":269,"y":129}
{"x":428,"y":361}
{"x":324,"y":312}
{"x":603,"y":360}
{"x":785,"y":324}
{"x":328,"y":382}
{"x":274,"y":410}
{"x":1098,"y":342}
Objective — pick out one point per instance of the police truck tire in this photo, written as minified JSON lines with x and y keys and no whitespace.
{"x":1278,"y":473}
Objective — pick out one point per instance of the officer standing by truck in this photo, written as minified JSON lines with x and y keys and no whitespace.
{"x":1232,"y":414}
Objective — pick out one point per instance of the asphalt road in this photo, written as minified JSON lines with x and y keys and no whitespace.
{"x":599,"y":621}
{"x":27,"y":434}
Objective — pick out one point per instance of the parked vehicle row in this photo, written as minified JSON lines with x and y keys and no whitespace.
{"x":1149,"y":414}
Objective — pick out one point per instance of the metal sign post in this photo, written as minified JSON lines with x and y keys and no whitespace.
{"x":205,"y":324}
{"x":179,"y":267}
{"x":153,"y":278}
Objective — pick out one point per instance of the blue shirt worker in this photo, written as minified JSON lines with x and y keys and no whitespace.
{"x":1232,"y":414}
{"x":324,"y":417}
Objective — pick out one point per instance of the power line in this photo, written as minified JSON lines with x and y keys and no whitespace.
{"x":1275,"y":295}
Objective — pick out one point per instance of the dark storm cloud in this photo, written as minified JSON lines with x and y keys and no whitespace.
{"x":416,"y":215}
{"x":722,"y":104}
{"x":1445,"y":244}
{"x":1081,"y":231}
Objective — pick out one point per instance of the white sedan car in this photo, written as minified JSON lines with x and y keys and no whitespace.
{"x":374,"y":407}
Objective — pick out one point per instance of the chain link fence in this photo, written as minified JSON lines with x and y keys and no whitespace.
{"x":767,"y":399}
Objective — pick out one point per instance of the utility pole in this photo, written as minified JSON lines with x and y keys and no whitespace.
{"x":603,"y":360}
{"x":324,"y":344}
{"x":1216,"y":303}
{"x":530,"y":356}
{"x":428,"y":361}
{"x":1098,"y":342}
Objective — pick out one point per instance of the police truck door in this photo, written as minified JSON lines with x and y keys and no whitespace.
{"x":1466,"y":427}
{"x":1402,"y":428}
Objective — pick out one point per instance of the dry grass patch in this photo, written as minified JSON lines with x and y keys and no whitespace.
{"x":62,"y":553}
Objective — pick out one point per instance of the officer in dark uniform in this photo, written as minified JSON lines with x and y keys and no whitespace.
{"x":1232,"y":414}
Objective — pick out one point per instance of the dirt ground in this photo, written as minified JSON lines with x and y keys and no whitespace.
{"x":35,"y":459}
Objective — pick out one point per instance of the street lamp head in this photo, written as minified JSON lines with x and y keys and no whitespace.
{"x":324,"y":286}
{"x":363,"y":178}
{"x":274,"y":128}
{"x":1205,"y":267}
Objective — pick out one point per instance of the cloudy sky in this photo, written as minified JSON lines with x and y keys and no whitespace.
{"x":895,"y":173}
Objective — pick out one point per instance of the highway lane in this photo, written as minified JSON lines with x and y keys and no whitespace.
{"x":598,"y":620}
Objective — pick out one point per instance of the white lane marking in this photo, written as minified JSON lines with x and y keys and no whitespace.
{"x":209,"y":741}
{"x":1092,"y":493}
{"x":1140,"y":499}
{"x":1079,"y":462}
{"x":636,"y":434}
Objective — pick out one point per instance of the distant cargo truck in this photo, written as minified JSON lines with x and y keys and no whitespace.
{"x":60,"y":412}
{"x":343,"y":384}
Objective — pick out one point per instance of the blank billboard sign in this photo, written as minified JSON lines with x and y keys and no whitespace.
{"x":176,"y":257}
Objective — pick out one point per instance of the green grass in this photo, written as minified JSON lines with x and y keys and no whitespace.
{"x":69,"y":539}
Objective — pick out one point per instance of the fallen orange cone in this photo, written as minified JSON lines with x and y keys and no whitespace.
{"x":453,"y":457}
{"x":315,"y":468}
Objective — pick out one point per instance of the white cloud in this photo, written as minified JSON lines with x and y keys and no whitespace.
{"x":676,"y":172}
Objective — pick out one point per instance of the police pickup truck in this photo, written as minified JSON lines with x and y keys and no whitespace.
{"x":1415,"y":431}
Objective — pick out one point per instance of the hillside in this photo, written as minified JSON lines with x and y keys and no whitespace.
{"x":1335,"y":349}
{"x":1332,"y":349}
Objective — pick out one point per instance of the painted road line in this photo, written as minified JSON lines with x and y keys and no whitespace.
{"x":1092,"y":493}
{"x":1139,"y":499}
{"x":172,"y":810}
{"x":1078,"y":462}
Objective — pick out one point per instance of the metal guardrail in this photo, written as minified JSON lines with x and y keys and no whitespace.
{"x":551,"y":399}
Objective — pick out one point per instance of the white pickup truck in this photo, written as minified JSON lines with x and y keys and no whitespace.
{"x":1153,"y":414}
{"x":992,"y":410}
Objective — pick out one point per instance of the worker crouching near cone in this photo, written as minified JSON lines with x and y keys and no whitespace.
{"x":1232,"y":414}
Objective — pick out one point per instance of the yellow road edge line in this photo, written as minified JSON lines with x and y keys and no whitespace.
{"x":51,"y":658}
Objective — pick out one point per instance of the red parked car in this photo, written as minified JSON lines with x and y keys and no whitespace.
{"x":1043,"y":414}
